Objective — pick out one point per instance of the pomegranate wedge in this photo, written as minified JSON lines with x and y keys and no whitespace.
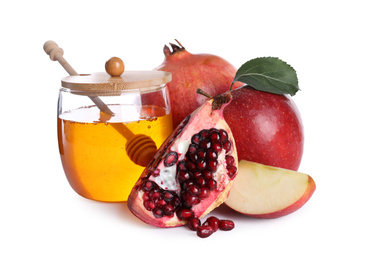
{"x":191,"y":173}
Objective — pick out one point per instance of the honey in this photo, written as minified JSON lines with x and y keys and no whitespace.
{"x":92,"y":147}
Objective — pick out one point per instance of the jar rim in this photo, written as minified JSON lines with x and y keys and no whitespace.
{"x":112,"y":92}
{"x":101,"y":82}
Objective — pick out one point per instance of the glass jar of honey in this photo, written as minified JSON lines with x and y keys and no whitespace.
{"x":100,"y":117}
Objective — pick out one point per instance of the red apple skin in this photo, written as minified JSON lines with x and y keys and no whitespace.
{"x":267,"y":128}
{"x":290,"y":209}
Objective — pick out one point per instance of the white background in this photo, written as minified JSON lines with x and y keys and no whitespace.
{"x":43,"y":218}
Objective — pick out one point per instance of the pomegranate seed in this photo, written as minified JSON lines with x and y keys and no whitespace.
{"x":192,"y":148}
{"x":193,"y":224}
{"x":196,"y":139}
{"x":208,"y":175}
{"x":194,"y":190}
{"x":230,"y":160}
{"x":181,"y":166}
{"x":205,"y":192}
{"x":211,"y":184}
{"x":227,"y":146}
{"x":192,"y":200}
{"x":205,"y":144}
{"x":169,"y":214}
{"x":197,"y":174}
{"x":148,"y":186}
{"x":213,"y":222}
{"x":161,"y":202}
{"x":190,"y":166}
{"x":201,"y":153}
{"x":145,"y":196}
{"x":201,"y":164}
{"x":201,"y":181}
{"x":211,"y":154}
{"x":171,"y":159}
{"x":192,"y":156}
{"x":212,"y":165}
{"x":154,"y":194}
{"x":149,"y":205}
{"x":176,"y":202}
{"x":215,"y":135}
{"x":223,"y":135}
{"x":226,"y":225}
{"x":183,"y":176}
{"x":158,"y":213}
{"x":187,"y":184}
{"x":169,"y":209}
{"x":168,"y":196}
{"x":231,"y":170}
{"x":204,"y":231}
{"x":217,"y":147}
{"x":204,"y":133}
{"x":185,"y":214}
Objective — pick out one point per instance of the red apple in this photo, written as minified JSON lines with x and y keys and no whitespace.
{"x":263,"y":191}
{"x":267,"y":128}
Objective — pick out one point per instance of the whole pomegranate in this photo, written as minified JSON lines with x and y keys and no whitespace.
{"x":267,"y":128}
{"x":191,"y":173}
{"x":190,"y":72}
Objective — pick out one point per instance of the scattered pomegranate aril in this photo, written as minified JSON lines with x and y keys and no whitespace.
{"x":189,"y":175}
{"x":210,"y":226}
{"x":226,"y":225}
{"x":193,"y":224}
{"x":212,"y":222}
{"x":204,"y":231}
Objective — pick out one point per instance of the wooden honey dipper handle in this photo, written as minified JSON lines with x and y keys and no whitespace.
{"x":56,"y":54}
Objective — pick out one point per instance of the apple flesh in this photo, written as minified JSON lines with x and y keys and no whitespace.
{"x":263,"y":191}
{"x":267,"y":128}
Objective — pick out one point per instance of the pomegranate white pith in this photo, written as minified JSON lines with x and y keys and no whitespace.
{"x":191,"y":173}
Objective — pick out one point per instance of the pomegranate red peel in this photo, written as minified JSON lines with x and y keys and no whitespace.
{"x":190,"y":71}
{"x":178,"y":184}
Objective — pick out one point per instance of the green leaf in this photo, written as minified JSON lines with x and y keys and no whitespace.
{"x":268,"y":74}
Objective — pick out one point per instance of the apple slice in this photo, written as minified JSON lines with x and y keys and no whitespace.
{"x":263,"y":191}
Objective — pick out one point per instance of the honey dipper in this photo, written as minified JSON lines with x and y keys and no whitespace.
{"x":140,"y":148}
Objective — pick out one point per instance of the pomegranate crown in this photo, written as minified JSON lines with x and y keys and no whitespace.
{"x":175,"y":48}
